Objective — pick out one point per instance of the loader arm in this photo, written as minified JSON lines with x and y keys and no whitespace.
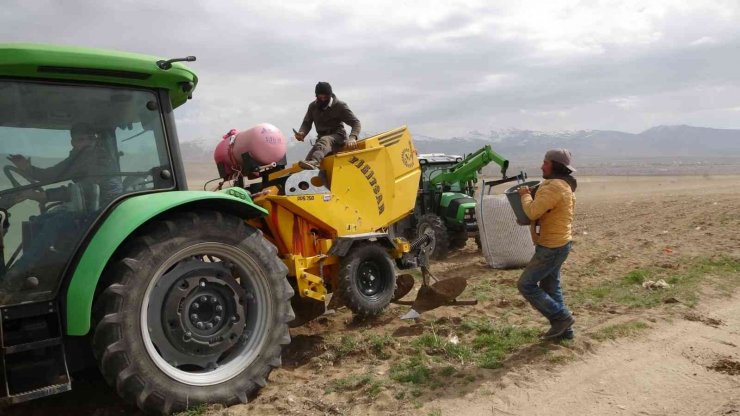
{"x":467,"y":169}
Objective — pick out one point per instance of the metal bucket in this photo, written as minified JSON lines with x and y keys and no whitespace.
{"x":515,"y":200}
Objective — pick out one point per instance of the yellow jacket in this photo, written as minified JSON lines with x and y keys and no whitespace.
{"x":551,"y":212}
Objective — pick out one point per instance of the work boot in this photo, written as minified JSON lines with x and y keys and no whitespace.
{"x":559,"y":327}
{"x":308,"y":164}
{"x":568,"y":334}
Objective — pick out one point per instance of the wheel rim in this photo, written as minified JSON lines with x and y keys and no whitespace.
{"x":371,"y":279}
{"x":202,"y":321}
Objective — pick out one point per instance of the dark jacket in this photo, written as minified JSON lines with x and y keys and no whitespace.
{"x":329,"y":121}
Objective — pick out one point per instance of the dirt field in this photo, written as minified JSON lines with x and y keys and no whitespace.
{"x":670,"y":351}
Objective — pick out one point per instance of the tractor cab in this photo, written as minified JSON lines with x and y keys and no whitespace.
{"x":82,"y":132}
{"x":69,"y":151}
{"x":434,"y":164}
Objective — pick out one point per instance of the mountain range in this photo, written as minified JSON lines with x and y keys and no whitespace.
{"x":681,"y":141}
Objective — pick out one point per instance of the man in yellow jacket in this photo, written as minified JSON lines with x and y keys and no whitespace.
{"x":551,"y":214}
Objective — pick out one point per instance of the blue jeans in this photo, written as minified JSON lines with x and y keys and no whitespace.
{"x":540,"y":282}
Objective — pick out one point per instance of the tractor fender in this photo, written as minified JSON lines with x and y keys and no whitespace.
{"x":343,"y":244}
{"x":123,"y":220}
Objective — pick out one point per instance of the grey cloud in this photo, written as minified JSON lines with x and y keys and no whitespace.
{"x":257,"y":67}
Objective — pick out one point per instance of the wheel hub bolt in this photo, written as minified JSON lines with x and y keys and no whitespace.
{"x":217,"y":319}
{"x":199,"y":325}
{"x":203,"y":299}
{"x":214,"y":300}
{"x":202,"y":284}
{"x":196,"y":305}
{"x":194,"y":316}
{"x":219,"y":308}
{"x":209,"y":326}
{"x":188,"y":335}
{"x":234,"y":318}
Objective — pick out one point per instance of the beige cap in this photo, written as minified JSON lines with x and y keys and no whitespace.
{"x":561,"y":156}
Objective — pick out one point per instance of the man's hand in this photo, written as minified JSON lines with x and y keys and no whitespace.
{"x":299,"y":135}
{"x":37,"y":195}
{"x":351,"y":143}
{"x":524,"y":190}
{"x":21,"y":162}
{"x":32,"y":194}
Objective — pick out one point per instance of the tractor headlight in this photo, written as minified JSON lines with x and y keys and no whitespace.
{"x":469,"y":214}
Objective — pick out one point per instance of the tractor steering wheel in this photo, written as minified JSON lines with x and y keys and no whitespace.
{"x":75,"y":203}
{"x":9,"y":170}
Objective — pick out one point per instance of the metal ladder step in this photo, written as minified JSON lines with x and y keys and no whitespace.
{"x":36,"y":393}
{"x":33,"y":362}
{"x":32,"y":345}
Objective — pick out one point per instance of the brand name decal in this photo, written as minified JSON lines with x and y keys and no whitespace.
{"x":369,"y":174}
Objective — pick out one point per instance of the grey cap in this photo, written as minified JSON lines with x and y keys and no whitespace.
{"x":561,"y":156}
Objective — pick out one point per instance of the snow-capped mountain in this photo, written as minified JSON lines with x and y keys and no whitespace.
{"x":662,"y":141}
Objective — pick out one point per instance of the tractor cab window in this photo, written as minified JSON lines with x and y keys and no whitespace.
{"x":433,"y":169}
{"x":67,"y":152}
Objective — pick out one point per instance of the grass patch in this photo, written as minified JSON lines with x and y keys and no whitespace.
{"x":344,"y":346}
{"x":637,"y":277}
{"x":198,"y":410}
{"x":379,"y":344}
{"x":482,"y":290}
{"x":488,"y":287}
{"x":483,"y":343}
{"x":433,"y":344}
{"x":477,"y":325}
{"x":366,"y":382}
{"x":722,"y":272}
{"x":626,"y":329}
{"x":494,"y":344}
{"x":418,"y":370}
{"x":414,"y":370}
{"x":725,"y":269}
{"x":428,"y":341}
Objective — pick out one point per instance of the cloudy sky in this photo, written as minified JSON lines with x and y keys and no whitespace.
{"x":442,"y":67}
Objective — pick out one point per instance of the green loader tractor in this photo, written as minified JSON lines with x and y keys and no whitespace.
{"x":108,"y":259}
{"x":445,"y":206}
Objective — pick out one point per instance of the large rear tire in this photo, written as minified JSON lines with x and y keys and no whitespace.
{"x":433,"y":226}
{"x":195,"y":311}
{"x":367,"y":279}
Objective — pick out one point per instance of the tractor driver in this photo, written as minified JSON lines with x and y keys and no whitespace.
{"x":327,"y":113}
{"x":88,"y":164}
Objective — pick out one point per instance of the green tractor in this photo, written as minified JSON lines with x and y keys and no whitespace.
{"x":107,"y":257}
{"x":445,"y":206}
